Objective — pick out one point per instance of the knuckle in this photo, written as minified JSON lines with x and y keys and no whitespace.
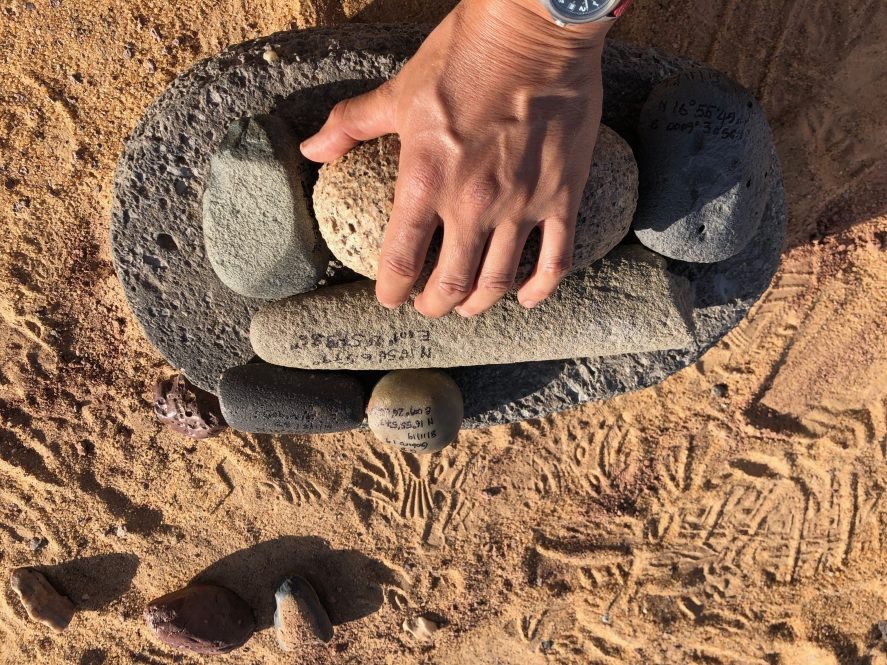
{"x":454,"y":286}
{"x":340,"y":111}
{"x":495,"y":283}
{"x":400,"y":264}
{"x":557,"y":266}
{"x":480,"y":193}
{"x":423,"y":181}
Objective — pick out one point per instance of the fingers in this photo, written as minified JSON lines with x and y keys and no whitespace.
{"x":453,"y":277}
{"x":351,"y":121}
{"x":409,"y":231}
{"x":498,"y":270}
{"x":555,"y":261}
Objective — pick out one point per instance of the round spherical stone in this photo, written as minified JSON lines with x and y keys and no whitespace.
{"x":354,"y":196}
{"x":419,"y":411}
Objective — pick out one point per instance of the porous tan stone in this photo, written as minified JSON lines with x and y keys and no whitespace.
{"x":627,"y":303}
{"x":354,"y":196}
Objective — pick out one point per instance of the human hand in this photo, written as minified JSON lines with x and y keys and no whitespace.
{"x":497,"y":113}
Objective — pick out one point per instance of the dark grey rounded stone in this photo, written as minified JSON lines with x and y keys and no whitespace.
{"x":266,"y":399}
{"x":704,"y":150}
{"x":258,"y":232}
{"x":202,"y":328}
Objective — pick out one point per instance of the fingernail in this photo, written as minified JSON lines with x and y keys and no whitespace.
{"x":529,"y":304}
{"x":461,"y":312}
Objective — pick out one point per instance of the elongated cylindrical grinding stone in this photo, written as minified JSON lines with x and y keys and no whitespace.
{"x":627,"y":303}
{"x":264,"y":399}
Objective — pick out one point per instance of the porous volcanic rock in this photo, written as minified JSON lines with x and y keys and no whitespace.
{"x":299,"y":616}
{"x":187,"y":409}
{"x":354,"y":196}
{"x":203,"y":618}
{"x":266,"y":399}
{"x":627,"y":303}
{"x":202,"y":327}
{"x":417,"y":410}
{"x":41,"y":600}
{"x":705,"y":150}
{"x":260,"y":238}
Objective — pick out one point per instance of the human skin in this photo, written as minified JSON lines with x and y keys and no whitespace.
{"x":497,"y":114}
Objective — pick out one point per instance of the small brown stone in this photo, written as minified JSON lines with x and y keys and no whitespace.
{"x":187,"y":409}
{"x":42,"y":602}
{"x":203,"y":618}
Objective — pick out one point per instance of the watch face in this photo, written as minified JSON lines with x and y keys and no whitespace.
{"x":581,"y":11}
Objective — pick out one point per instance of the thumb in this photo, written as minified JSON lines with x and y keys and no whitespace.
{"x":351,"y":121}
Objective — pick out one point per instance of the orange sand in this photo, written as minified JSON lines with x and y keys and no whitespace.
{"x":666,"y":526}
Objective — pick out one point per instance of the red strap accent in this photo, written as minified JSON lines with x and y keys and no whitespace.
{"x":621,"y":9}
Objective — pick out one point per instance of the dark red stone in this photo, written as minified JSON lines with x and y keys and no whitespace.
{"x":187,"y":409}
{"x":203,"y":618}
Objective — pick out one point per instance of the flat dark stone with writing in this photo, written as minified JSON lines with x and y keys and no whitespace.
{"x":202,"y":327}
{"x":705,"y":167}
{"x":266,"y":399}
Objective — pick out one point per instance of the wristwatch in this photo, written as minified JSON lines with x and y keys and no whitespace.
{"x":573,"y":12}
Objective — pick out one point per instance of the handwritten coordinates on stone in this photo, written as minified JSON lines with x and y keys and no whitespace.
{"x":350,"y":347}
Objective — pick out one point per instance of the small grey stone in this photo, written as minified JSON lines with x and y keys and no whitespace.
{"x":705,"y":166}
{"x":259,"y":235}
{"x":42,"y":602}
{"x":354,"y":196}
{"x":266,"y":399}
{"x":627,"y":303}
{"x":202,"y":618}
{"x":417,"y":410}
{"x":299,"y":616}
{"x":422,"y":628}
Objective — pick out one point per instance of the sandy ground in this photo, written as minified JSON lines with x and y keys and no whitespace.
{"x":673,"y":525}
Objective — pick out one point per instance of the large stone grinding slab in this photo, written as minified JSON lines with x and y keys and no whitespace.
{"x":202,"y":327}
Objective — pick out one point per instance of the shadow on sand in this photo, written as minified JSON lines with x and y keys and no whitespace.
{"x":348,"y":583}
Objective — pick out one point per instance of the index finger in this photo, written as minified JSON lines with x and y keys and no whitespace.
{"x":409,"y":230}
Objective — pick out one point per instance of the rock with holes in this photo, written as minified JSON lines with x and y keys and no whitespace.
{"x":266,"y":399}
{"x":417,"y":410}
{"x":705,"y":168}
{"x":42,"y":602}
{"x":187,"y":409}
{"x":354,"y":195}
{"x":627,"y":303}
{"x":202,"y":618}
{"x":260,"y":238}
{"x":299,"y":617}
